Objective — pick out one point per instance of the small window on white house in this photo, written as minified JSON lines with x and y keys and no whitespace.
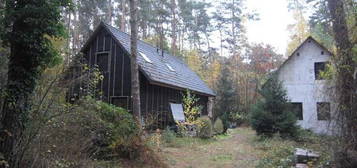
{"x":170,"y":67}
{"x":146,"y":58}
{"x":297,"y":109}
{"x":323,"y":110}
{"x":319,"y":68}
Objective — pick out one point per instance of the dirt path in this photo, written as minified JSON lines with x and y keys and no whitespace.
{"x":234,"y":150}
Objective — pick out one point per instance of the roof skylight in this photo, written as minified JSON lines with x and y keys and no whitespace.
{"x":170,"y":67}
{"x":146,"y":58}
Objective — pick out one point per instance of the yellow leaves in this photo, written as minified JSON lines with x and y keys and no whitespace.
{"x":156,"y":138}
{"x":191,"y":110}
{"x":194,"y":61}
{"x":213,"y":72}
{"x":57,"y":42}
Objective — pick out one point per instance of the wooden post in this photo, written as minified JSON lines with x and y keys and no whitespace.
{"x":210,"y":107}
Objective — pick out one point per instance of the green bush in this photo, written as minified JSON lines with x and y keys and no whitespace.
{"x":225,"y":120}
{"x":218,"y":126}
{"x":204,"y":127}
{"x":276,"y":156}
{"x":115,"y":131}
{"x":238,"y":118}
{"x":168,"y":136}
{"x":273,"y":114}
{"x":123,"y":134}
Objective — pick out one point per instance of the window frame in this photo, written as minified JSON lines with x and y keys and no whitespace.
{"x":299,"y":116}
{"x":106,"y":53}
{"x":322,"y":117}
{"x":318,"y":68}
{"x":146,"y":58}
{"x":170,"y":67}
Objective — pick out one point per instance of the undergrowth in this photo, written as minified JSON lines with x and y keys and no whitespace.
{"x":279,"y":152}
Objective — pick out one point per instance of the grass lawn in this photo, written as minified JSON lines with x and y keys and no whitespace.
{"x":239,"y":148}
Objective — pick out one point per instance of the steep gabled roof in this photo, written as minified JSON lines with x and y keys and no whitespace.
{"x":310,"y":38}
{"x":166,"y":70}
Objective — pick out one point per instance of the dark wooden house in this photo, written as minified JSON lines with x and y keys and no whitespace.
{"x":163,"y":77}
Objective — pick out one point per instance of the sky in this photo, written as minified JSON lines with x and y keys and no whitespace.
{"x":272,"y":26}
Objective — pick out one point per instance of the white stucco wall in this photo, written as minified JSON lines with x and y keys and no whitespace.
{"x":298,"y":78}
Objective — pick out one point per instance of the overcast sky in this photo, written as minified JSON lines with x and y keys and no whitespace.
{"x":272,"y":26}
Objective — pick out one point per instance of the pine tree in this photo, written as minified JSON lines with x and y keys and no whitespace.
{"x":226,"y":95}
{"x":299,"y":31}
{"x":272,"y":114}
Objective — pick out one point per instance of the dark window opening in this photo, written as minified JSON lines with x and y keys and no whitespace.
{"x":323,"y":111}
{"x":122,"y":102}
{"x":102,"y":62}
{"x":322,"y":52}
{"x":297,"y":109}
{"x":319,"y":67}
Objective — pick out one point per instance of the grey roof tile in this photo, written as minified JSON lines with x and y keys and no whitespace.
{"x":157,"y":71}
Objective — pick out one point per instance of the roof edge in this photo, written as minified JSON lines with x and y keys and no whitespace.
{"x":297,"y":48}
{"x":103,"y":25}
{"x":180,"y":88}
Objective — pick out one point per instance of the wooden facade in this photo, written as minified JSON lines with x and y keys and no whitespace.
{"x":113,"y":60}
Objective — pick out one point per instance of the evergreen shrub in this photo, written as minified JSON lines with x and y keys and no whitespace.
{"x":117,"y":134}
{"x":204,"y":127}
{"x":273,"y":114}
{"x":218,"y":126}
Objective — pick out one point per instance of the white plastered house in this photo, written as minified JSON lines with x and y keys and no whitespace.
{"x":307,"y":90}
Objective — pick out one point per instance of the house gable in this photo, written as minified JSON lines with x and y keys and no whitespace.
{"x":161,"y":80}
{"x":300,"y":66}
{"x":102,"y":47}
{"x":305,"y":88}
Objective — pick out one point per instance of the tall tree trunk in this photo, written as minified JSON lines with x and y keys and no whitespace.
{"x":21,"y":83}
{"x":75,"y":35}
{"x":67,"y":59}
{"x":110,"y":12}
{"x":221,"y":43}
{"x":161,"y":28}
{"x":233,"y":29}
{"x":122,"y":16}
{"x":345,"y":86}
{"x":173,"y":27}
{"x":135,"y":84}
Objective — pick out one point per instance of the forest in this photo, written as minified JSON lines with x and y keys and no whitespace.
{"x":41,"y":52}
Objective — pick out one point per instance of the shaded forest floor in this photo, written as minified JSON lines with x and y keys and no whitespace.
{"x":232,"y":150}
{"x":241,"y":147}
